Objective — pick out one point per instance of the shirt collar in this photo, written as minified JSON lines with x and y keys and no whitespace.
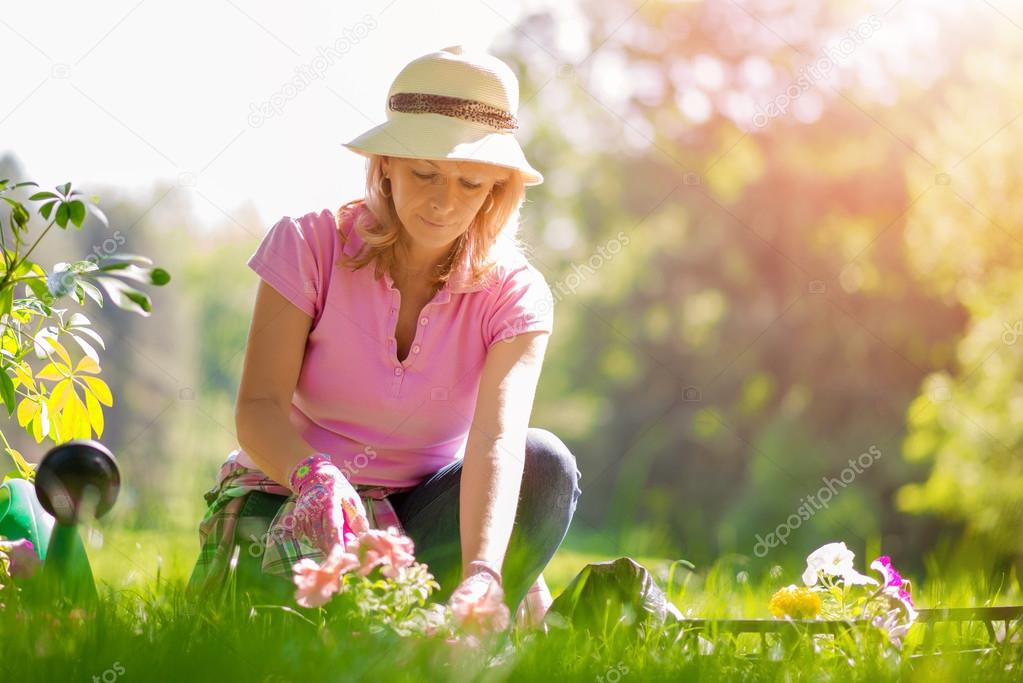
{"x":458,"y":283}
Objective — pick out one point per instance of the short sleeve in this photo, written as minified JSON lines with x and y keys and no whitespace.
{"x":292,"y":258}
{"x":524,"y":304}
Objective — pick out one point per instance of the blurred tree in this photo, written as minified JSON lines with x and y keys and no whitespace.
{"x":964,"y":241}
{"x":763,"y":324}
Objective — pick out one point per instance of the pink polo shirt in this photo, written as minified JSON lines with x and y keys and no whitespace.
{"x":382,"y":421}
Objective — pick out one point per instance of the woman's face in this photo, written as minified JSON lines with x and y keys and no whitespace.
{"x":437,"y":200}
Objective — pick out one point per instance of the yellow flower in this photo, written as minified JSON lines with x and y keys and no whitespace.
{"x":795,"y":602}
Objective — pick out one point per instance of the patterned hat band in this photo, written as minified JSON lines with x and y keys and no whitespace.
{"x":457,"y":107}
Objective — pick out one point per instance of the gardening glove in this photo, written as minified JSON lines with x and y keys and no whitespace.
{"x":478,"y":602}
{"x":328,"y":510}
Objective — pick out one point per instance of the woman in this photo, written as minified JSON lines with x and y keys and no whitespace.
{"x":373,"y":374}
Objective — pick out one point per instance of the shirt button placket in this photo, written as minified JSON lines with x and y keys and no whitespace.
{"x":398,"y":371}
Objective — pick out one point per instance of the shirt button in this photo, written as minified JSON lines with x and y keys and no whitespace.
{"x":415,"y":349}
{"x":424,"y":320}
{"x":397,"y":371}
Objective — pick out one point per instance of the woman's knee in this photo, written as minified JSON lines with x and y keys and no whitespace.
{"x":552,"y":465}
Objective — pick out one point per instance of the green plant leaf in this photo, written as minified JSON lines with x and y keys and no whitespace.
{"x":149,"y":276}
{"x":160,"y":276}
{"x":64,"y":189}
{"x":7,"y":391}
{"x":47,"y":208}
{"x":6,"y":300}
{"x":62,"y":215}
{"x":77,"y":211}
{"x":92,"y":291}
{"x":43,"y":195}
{"x":40,"y":289}
{"x":125,"y":296}
{"x":122,"y":260}
{"x":19,"y":214}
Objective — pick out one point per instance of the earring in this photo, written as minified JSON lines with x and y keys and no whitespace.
{"x":491,"y":205}
{"x":380,"y":186}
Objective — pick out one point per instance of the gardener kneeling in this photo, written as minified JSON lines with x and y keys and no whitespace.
{"x":367,"y":391}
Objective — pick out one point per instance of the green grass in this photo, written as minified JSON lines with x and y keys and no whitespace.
{"x":144,"y":630}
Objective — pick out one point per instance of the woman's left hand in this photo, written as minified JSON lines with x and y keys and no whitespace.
{"x":478,"y":602}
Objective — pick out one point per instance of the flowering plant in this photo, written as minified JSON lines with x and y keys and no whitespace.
{"x":373,"y":576}
{"x":18,"y":560}
{"x":834,"y":589}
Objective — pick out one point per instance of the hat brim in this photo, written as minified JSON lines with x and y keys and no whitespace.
{"x":439,"y":137}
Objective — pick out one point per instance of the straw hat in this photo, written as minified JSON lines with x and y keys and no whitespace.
{"x":452,"y":104}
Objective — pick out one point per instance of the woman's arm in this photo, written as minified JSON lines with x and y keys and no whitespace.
{"x":273,"y":360}
{"x":496,"y":446}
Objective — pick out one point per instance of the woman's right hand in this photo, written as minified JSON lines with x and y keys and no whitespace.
{"x":328,"y":510}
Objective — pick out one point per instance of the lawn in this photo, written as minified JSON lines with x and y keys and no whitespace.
{"x":144,"y":630}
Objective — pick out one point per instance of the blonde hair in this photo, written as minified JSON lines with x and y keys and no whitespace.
{"x":490,"y":234}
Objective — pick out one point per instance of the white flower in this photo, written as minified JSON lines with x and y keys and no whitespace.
{"x":894,"y":623}
{"x":834,"y":559}
{"x":900,"y":598}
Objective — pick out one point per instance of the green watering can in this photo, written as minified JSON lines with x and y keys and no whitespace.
{"x":75,"y":481}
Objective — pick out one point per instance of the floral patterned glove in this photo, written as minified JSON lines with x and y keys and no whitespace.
{"x":328,"y":510}
{"x":478,"y":602}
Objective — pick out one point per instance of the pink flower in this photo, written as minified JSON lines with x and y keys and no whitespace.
{"x":317,"y":582}
{"x":23,"y":559}
{"x":883,"y":565}
{"x":388,"y":549}
{"x":478,"y":604}
{"x":893,"y":581}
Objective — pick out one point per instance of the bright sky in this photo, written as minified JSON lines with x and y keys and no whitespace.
{"x":125,"y":92}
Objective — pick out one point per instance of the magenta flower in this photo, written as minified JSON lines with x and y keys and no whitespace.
{"x":893,"y":581}
{"x":22,"y":557}
{"x":883,"y":565}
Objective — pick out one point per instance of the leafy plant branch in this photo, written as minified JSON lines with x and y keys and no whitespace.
{"x":33,"y":325}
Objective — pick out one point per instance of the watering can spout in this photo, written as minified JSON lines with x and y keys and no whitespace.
{"x":75,"y":482}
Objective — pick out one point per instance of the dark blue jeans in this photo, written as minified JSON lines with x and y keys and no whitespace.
{"x":547,"y":501}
